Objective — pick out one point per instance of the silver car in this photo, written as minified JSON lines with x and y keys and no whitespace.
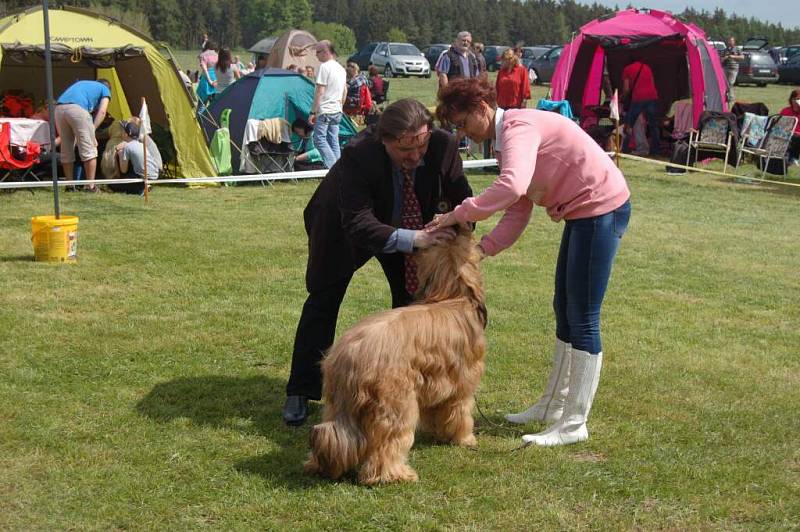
{"x":400,"y":59}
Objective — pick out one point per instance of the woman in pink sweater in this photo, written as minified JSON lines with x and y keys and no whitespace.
{"x":548,"y":160}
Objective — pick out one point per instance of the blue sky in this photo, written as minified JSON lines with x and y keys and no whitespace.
{"x":787,"y":12}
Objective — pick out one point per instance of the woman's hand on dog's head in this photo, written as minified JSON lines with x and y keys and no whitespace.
{"x":441,"y":221}
{"x":427,"y":238}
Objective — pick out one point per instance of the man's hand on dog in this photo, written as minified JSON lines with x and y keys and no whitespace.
{"x":441,"y":221}
{"x":433,"y":237}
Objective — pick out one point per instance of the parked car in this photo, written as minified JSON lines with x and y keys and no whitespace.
{"x":529,"y":53}
{"x":494,"y":56}
{"x":788,"y":52}
{"x":363,"y":57}
{"x":757,"y":67}
{"x":544,"y":65}
{"x":790,"y":71}
{"x":433,"y":52}
{"x":719,"y":46}
{"x":400,"y":59}
{"x":393,"y":59}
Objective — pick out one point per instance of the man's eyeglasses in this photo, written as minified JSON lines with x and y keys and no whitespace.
{"x":413,"y":140}
{"x":458,"y":125}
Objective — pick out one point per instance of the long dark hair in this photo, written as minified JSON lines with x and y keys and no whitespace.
{"x":224,"y":61}
{"x":401,"y":117}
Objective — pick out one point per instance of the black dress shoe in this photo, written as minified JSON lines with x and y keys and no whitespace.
{"x":295,"y":410}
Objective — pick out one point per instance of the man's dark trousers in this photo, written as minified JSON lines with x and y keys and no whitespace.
{"x":317,"y":326}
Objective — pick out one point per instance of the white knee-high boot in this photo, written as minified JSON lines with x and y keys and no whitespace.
{"x":551,"y":405}
{"x":571,"y":428}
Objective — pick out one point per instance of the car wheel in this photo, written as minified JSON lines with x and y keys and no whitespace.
{"x":762,"y":84}
{"x":387,"y":72}
{"x":428,"y":75}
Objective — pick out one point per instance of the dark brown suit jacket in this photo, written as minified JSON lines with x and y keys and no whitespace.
{"x":348,"y":219}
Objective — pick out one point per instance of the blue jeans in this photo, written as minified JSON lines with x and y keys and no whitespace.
{"x":326,"y":138}
{"x":588,"y":247}
{"x":650,"y":107}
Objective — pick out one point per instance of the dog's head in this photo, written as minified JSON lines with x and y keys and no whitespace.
{"x":450,"y":270}
{"x":115,"y":131}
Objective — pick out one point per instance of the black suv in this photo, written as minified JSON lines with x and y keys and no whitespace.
{"x":757,"y":67}
{"x":494,"y":56}
{"x":363,"y":57}
{"x":433,"y":52}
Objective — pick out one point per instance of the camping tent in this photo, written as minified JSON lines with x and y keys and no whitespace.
{"x":86,"y":45}
{"x":268,"y":93}
{"x":264,"y":46}
{"x":684,"y":64}
{"x":295,"y":47}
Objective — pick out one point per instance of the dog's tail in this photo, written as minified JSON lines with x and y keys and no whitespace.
{"x":335,"y":449}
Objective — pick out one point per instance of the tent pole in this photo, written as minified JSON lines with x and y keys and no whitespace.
{"x":48,"y":68}
{"x":144,"y":149}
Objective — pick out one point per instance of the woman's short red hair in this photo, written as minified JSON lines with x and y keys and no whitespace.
{"x":464,"y":95}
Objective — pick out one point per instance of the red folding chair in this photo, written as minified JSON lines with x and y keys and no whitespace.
{"x":16,"y":163}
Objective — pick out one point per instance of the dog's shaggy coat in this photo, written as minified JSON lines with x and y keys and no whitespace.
{"x":417,"y":365}
{"x":108,"y":163}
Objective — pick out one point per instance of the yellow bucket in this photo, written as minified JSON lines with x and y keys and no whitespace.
{"x":55,"y":240}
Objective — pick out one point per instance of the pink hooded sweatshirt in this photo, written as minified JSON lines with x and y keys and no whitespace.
{"x":548,"y":160}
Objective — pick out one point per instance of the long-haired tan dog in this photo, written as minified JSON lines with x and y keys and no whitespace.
{"x":417,"y":365}
{"x":108,"y":164}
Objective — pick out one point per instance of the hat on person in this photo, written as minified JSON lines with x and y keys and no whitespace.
{"x":131,"y":128}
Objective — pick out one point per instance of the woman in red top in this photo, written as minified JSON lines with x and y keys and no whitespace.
{"x":794,"y":110}
{"x":512,"y":85}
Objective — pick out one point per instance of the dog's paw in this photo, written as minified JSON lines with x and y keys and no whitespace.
{"x":470,"y":442}
{"x":400,"y":473}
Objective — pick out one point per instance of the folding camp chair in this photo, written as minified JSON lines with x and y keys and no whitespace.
{"x":380,"y":98}
{"x":754,"y":129}
{"x":775,"y":142}
{"x":273,"y":157}
{"x":561,"y":107}
{"x":714,"y":135}
{"x":16,"y":163}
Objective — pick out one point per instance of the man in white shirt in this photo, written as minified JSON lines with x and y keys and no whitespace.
{"x":329,"y":97}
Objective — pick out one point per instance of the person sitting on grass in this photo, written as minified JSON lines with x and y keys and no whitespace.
{"x":130,"y":158}
{"x":308,"y":157}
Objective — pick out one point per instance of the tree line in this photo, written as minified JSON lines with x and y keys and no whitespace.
{"x":351,"y":23}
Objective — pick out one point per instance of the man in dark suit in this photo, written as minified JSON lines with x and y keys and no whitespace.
{"x":389,"y":182}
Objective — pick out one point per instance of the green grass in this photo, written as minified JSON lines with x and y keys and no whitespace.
{"x":141,"y":387}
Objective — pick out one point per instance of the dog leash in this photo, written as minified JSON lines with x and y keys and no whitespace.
{"x":502,"y":427}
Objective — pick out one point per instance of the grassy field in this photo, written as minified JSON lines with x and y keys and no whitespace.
{"x":141,"y":388}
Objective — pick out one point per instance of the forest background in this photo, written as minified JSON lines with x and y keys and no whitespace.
{"x":350,"y":23}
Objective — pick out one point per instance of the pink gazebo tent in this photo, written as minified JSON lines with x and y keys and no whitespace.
{"x":684,"y":64}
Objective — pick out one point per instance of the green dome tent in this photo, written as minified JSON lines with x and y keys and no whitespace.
{"x":87,"y":45}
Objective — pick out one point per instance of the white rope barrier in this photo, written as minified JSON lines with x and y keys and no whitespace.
{"x":312,"y":174}
{"x":279,"y":176}
{"x":703,"y":170}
